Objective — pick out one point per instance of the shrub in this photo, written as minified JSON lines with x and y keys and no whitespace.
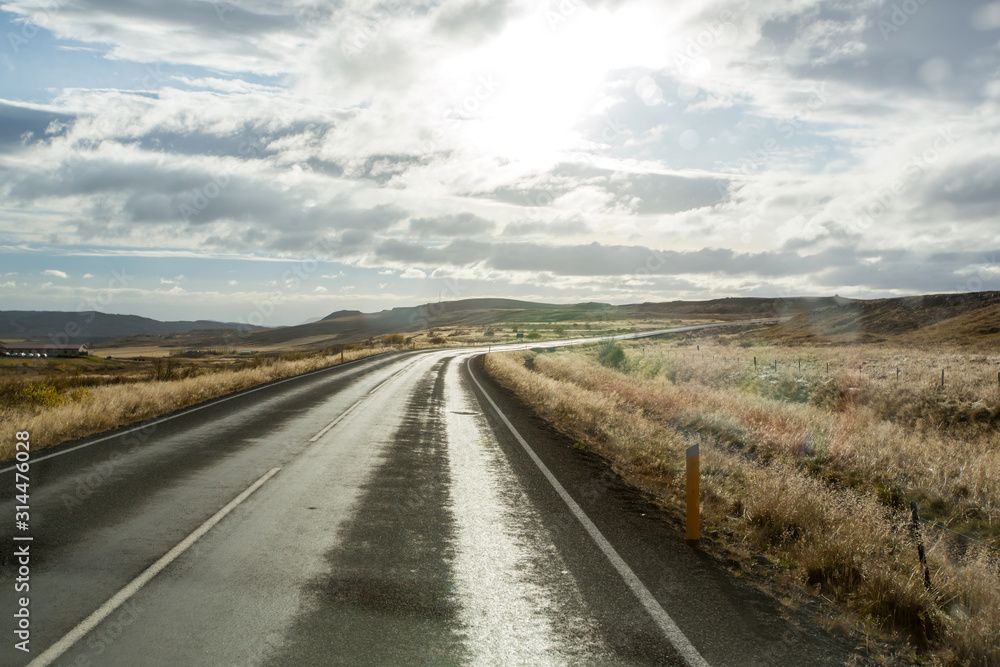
{"x":162,"y":369}
{"x":15,"y":393}
{"x":394,"y":339}
{"x":613,"y":356}
{"x":534,"y":335}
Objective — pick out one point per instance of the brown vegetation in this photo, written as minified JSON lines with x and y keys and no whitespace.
{"x":813,"y":471}
{"x":57,"y":407}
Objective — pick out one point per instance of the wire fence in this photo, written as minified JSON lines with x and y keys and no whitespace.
{"x":962,"y":535}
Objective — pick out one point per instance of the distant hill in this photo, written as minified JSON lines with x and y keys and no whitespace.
{"x":972,"y":317}
{"x":931,"y":319}
{"x":352,"y":325}
{"x":90,"y":326}
{"x":735,"y":308}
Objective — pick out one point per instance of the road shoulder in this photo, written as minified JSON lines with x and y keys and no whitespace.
{"x":728,"y":619}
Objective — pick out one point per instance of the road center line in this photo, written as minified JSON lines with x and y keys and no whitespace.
{"x":391,"y":377}
{"x":108,"y":608}
{"x":335,"y":421}
{"x":673,"y":633}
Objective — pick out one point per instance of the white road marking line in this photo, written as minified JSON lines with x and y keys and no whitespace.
{"x":356,"y":403}
{"x":673,"y":633}
{"x":36,"y":459}
{"x":108,"y":608}
{"x":335,"y":421}
{"x":391,"y":377}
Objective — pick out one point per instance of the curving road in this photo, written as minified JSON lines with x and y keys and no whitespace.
{"x":397,"y":510}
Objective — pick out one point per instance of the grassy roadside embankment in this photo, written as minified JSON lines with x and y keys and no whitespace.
{"x":812,"y":472}
{"x":58,"y":409}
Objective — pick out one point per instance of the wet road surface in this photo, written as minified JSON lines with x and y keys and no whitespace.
{"x":398,"y":510}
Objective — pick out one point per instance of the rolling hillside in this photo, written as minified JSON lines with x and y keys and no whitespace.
{"x":350,"y":325}
{"x":89,"y":326}
{"x":930,"y":319}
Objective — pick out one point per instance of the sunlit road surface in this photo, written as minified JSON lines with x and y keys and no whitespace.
{"x":399,"y":510}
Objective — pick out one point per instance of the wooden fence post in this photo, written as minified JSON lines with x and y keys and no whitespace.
{"x":915,"y":531}
{"x":693,"y":492}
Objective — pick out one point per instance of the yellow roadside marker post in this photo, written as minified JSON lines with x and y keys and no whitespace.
{"x":693,"y":506}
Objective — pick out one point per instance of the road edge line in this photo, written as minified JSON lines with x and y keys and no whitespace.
{"x":189,"y":410}
{"x":53,"y":652}
{"x":674,"y":635}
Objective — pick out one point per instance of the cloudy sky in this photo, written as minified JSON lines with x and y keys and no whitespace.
{"x":201,"y":159}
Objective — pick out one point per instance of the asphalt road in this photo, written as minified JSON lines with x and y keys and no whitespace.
{"x":399,"y":510}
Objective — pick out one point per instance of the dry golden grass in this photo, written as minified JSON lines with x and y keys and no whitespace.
{"x":110,"y":406}
{"x":815,"y":471}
